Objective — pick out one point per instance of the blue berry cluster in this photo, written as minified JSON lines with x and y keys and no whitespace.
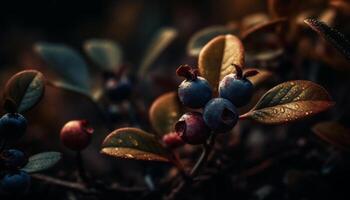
{"x":13,"y":181}
{"x":220,"y":113}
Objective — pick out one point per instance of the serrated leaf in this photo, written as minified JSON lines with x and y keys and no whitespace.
{"x":331,"y":35}
{"x":68,"y":63}
{"x":216,"y":58}
{"x":134,"y":143}
{"x":105,"y":53}
{"x":42,"y":161}
{"x":160,"y":41}
{"x":164,"y":112}
{"x":202,"y":37}
{"x":290,"y":101}
{"x":25,"y":89}
{"x":333,"y":133}
{"x":261,"y":77}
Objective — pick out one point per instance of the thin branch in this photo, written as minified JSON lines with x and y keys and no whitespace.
{"x":195,"y":170}
{"x":81,"y":169}
{"x":79,"y":187}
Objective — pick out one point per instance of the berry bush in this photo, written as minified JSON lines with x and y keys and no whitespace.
{"x":255,"y":108}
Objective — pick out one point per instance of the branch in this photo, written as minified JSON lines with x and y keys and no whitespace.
{"x":79,"y":187}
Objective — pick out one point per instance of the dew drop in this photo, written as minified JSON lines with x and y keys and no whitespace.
{"x":129,"y":155}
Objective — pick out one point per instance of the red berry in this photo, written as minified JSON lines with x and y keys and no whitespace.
{"x":76,"y":134}
{"x":192,"y":128}
{"x":173,"y":140}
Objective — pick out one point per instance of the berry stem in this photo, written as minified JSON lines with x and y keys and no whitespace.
{"x":239,"y":72}
{"x":207,"y":147}
{"x":250,"y":73}
{"x":81,"y":169}
{"x":187,"y":72}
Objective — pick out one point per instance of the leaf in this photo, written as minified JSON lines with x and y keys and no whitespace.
{"x":160,"y":41}
{"x":216,"y":58}
{"x":164,"y":112}
{"x":68,"y":64}
{"x":261,"y":77}
{"x":202,"y":37}
{"x":25,"y":89}
{"x":265,"y":55}
{"x":262,"y":28}
{"x":333,"y":133}
{"x":105,"y":53}
{"x":331,"y":35}
{"x":282,"y":8}
{"x":134,"y":143}
{"x":290,"y":101}
{"x":42,"y":161}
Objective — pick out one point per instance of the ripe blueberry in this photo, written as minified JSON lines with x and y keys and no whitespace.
{"x":12,"y":126}
{"x":76,"y":135}
{"x":220,"y":115}
{"x":192,"y":128}
{"x":172,"y":140}
{"x":237,"y":88}
{"x":195,"y":91}
{"x":118,"y":89}
{"x":13,"y":159}
{"x":15,"y":182}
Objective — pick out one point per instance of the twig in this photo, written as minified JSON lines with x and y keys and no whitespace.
{"x":195,"y":170}
{"x":79,"y":187}
{"x":81,"y":169}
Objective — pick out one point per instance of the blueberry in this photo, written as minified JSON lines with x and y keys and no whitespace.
{"x":12,"y":126}
{"x":195,"y":91}
{"x":220,"y":115}
{"x":15,"y":183}
{"x":13,"y":159}
{"x":118,"y":89}
{"x":192,"y":128}
{"x":237,"y":88}
{"x":76,"y":134}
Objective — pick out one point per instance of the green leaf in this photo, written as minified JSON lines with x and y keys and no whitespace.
{"x":334,"y":133}
{"x":160,"y":41}
{"x":134,"y":143}
{"x":164,"y":112}
{"x":105,"y":53}
{"x":68,"y":64}
{"x":216,"y":58}
{"x":331,"y":35}
{"x":25,"y":89}
{"x":202,"y":37}
{"x":290,"y":101}
{"x":42,"y":161}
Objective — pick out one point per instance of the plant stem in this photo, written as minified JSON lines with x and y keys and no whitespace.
{"x":207,"y":147}
{"x":81,"y":187}
{"x":2,"y":145}
{"x":203,"y":157}
{"x":81,"y":169}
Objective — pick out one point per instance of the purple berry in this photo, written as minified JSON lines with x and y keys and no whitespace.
{"x":192,"y":128}
{"x":195,"y":91}
{"x":12,"y":126}
{"x":220,"y":115}
{"x":13,"y":159}
{"x":15,"y":183}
